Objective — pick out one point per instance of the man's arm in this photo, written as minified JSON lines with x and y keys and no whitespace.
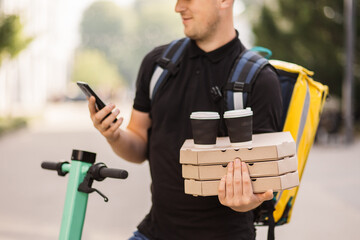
{"x":129,"y":144}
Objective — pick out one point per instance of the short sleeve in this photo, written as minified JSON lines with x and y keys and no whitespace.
{"x":142,"y":100}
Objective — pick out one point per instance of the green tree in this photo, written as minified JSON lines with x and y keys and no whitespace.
{"x":309,"y":33}
{"x":157,"y":24}
{"x":12,"y":40}
{"x":126,"y":35}
{"x":103,"y":28}
{"x":91,"y":66}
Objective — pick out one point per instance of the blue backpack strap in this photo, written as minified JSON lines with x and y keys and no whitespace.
{"x":246,"y":68}
{"x":244,"y":72}
{"x":167,"y":65}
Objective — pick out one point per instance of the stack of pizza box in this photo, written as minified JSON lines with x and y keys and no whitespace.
{"x":270,"y":158}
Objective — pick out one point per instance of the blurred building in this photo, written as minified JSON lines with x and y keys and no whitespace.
{"x":41,"y":71}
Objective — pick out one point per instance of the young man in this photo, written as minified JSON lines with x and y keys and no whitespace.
{"x":157,"y":130}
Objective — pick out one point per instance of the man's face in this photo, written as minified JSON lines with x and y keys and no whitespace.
{"x":200,"y":17}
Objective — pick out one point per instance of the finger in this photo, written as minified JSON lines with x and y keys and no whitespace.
{"x":110,"y":119}
{"x":268,"y":195}
{"x":100,"y":115}
{"x":246,"y":181}
{"x":222,"y":192}
{"x":91,"y":106}
{"x":117,"y":124}
{"x":237,"y":178}
{"x":229,"y":181}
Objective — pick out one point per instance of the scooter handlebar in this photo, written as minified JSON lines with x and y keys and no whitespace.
{"x":49,"y":165}
{"x":99,"y":172}
{"x":57,"y":166}
{"x":105,"y":172}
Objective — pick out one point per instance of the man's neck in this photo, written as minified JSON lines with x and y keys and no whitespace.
{"x":217,"y":40}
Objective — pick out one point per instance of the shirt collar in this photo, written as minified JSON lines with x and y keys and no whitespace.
{"x":219,"y":53}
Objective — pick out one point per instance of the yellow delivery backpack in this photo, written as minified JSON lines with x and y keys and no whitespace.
{"x":301,"y":120}
{"x":303,"y":100}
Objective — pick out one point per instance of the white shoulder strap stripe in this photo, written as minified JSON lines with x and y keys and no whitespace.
{"x":238,"y":100}
{"x":156,"y":75}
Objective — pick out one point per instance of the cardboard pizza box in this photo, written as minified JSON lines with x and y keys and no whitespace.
{"x":264,"y":147}
{"x":277,"y":183}
{"x":256,"y":169}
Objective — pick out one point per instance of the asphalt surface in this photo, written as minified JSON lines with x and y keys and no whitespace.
{"x":32,"y":199}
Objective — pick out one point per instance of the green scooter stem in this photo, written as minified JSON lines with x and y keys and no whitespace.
{"x":75,"y":202}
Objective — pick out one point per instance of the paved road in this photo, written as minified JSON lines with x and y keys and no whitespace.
{"x":31,"y":199}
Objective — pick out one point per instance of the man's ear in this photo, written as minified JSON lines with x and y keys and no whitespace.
{"x":226,"y":3}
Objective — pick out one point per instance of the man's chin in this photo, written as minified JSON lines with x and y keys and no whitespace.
{"x":190,"y":34}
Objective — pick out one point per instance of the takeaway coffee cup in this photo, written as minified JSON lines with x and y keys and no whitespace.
{"x":239,"y":125}
{"x":204,"y":128}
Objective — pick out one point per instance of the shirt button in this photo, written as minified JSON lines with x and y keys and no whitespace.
{"x":197,"y":72}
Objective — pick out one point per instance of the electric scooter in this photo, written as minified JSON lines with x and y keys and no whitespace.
{"x":82,"y":172}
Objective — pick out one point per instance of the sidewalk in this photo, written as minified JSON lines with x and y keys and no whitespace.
{"x":327,"y":205}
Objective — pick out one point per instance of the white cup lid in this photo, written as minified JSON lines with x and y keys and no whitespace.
{"x":205,"y":115}
{"x":238,"y":113}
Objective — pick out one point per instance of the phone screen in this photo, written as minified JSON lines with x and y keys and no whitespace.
{"x":89,"y":92}
{"x":85,"y":88}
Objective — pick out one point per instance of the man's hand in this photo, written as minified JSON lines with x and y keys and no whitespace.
{"x":106,"y":127}
{"x":235,"y":189}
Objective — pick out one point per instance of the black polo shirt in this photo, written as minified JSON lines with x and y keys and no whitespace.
{"x":175,"y":215}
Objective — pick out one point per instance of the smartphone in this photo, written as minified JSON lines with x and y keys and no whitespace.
{"x":86,"y":89}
